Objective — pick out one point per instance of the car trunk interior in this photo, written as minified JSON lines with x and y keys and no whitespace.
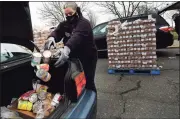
{"x":17,"y":29}
{"x":18,"y":80}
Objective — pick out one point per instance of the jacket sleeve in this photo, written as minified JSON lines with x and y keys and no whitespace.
{"x":79,"y":34}
{"x":58,"y":33}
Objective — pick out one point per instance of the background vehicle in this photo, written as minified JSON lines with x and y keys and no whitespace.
{"x":16,"y":70}
{"x":163,"y":38}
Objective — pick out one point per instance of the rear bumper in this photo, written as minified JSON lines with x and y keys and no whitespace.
{"x":163,"y":39}
{"x":85,"y":108}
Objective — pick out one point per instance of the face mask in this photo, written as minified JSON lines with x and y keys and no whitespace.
{"x":72,"y":18}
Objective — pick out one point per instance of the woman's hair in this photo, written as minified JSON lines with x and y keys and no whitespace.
{"x":78,"y":10}
{"x":72,"y":5}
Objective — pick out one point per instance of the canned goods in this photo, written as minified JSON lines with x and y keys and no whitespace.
{"x":49,"y":96}
{"x":37,"y":106}
{"x":43,"y":66}
{"x":25,"y":105}
{"x":39,"y":87}
{"x":46,"y":56}
{"x":56,"y":99}
{"x":36,"y":59}
{"x":40,"y":114}
{"x":43,"y":88}
{"x":33,"y":98}
{"x":42,"y":95}
{"x":43,"y":75}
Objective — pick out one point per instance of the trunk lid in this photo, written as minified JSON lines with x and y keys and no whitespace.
{"x":16,"y":24}
{"x":173,"y":6}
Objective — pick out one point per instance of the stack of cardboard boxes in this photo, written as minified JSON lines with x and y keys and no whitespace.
{"x":41,"y":37}
{"x":132,"y":44}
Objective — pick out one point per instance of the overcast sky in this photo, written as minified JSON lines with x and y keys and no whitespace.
{"x":37,"y":22}
{"x":101,"y":17}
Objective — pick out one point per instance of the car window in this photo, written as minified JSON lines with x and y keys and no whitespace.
{"x":11,"y":52}
{"x":101,"y":29}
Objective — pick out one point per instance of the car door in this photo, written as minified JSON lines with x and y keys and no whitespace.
{"x":100,"y":32}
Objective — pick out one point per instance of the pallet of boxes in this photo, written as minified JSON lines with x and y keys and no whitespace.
{"x":41,"y":37}
{"x":132,"y":47}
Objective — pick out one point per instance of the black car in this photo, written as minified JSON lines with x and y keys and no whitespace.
{"x":17,"y":74}
{"x":163,"y":38}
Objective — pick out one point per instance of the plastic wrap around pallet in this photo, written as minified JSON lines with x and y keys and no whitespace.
{"x":40,"y":39}
{"x":132,"y":45}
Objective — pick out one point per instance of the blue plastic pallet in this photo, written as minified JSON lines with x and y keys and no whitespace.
{"x":134,"y":71}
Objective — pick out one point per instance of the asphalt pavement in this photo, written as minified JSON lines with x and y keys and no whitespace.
{"x":140,"y":96}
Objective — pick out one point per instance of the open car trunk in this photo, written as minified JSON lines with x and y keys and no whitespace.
{"x":17,"y":81}
{"x":17,"y":75}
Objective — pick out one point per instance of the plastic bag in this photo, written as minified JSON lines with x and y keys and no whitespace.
{"x":123,"y":25}
{"x":40,"y":114}
{"x":9,"y":114}
{"x":37,"y":106}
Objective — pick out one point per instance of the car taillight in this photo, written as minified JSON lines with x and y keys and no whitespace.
{"x":166,"y":28}
{"x":80,"y":81}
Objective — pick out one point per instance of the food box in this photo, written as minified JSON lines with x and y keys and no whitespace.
{"x":30,"y":114}
{"x":131,"y":43}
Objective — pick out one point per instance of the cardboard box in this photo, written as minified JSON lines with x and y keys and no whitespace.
{"x":22,"y":113}
{"x":133,"y":43}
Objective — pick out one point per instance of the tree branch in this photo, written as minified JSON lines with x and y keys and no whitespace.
{"x":133,"y":10}
{"x":115,"y":9}
{"x":128,"y":8}
{"x":124,"y":9}
{"x":54,"y":11}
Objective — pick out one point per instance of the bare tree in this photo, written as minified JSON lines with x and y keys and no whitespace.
{"x":147,"y":8}
{"x":92,"y":18}
{"x":120,"y":9}
{"x":128,"y":9}
{"x":83,"y":6}
{"x":154,"y":7}
{"x":54,"y":12}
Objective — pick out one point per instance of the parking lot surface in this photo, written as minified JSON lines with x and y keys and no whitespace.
{"x":140,"y":96}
